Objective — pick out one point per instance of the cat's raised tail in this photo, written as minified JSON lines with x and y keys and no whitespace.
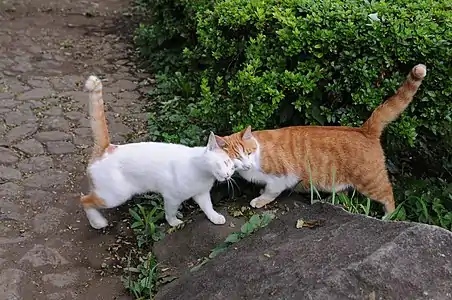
{"x":97,"y":117}
{"x":395,"y":105}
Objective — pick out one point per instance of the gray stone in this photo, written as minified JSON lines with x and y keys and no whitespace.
{"x":54,"y":111}
{"x":22,"y":131}
{"x":38,"y":198}
{"x":67,"y":82}
{"x":39,"y":83}
{"x":10,"y":280}
{"x":11,"y":210}
{"x":46,"y":179}
{"x":60,"y":147}
{"x":23,"y":67}
{"x":56,"y":123}
{"x":10,"y":189}
{"x":48,"y":220}
{"x":76,"y":99}
{"x":50,"y":136}
{"x":6,"y":102}
{"x":34,"y":164}
{"x":74,"y":115}
{"x":346,"y":257}
{"x":61,"y":279}
{"x":125,"y":85}
{"x":128,"y":97}
{"x":7,"y":156}
{"x":7,"y":173}
{"x":35,"y":94}
{"x":15,"y":86}
{"x":41,"y":255}
{"x":118,"y":128}
{"x":66,"y":295}
{"x":31,"y":147}
{"x":19,"y":117}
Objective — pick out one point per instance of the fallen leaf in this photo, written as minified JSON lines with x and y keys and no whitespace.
{"x":308,"y":223}
{"x":300,"y":223}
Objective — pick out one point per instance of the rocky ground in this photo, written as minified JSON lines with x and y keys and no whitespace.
{"x":344,"y":256}
{"x":48,"y":49}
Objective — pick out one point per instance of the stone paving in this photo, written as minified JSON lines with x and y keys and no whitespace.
{"x":48,"y":49}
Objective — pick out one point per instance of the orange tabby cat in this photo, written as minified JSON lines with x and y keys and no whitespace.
{"x":326,"y":155}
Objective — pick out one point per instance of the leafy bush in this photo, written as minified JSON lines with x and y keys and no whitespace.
{"x":224,"y":64}
{"x":281,"y":62}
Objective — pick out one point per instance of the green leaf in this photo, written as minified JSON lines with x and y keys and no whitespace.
{"x":232,"y":238}
{"x":255,"y":221}
{"x":219,"y":249}
{"x":267,"y":217}
{"x":135,"y":215}
{"x":247,"y":228}
{"x":136,"y":224}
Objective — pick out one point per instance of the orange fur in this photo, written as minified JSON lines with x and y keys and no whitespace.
{"x":98,"y":122}
{"x":101,"y":136}
{"x":339,"y":155}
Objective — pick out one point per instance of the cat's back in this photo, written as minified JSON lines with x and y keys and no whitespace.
{"x":286,"y":149}
{"x":152,"y":151}
{"x":316,"y":136}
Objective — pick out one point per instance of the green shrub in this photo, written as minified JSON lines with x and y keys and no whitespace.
{"x":282,"y":62}
{"x":224,"y":64}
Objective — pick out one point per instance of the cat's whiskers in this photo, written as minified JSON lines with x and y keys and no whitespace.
{"x":230,"y":185}
{"x":235,"y":183}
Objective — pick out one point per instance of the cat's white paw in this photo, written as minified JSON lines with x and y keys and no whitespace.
{"x":95,"y":218}
{"x":260,"y":202}
{"x":217,"y":219}
{"x":175,"y":222}
{"x":98,"y":223}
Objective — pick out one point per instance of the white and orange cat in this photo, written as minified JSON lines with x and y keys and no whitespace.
{"x":177,"y":172}
{"x":325,"y":156}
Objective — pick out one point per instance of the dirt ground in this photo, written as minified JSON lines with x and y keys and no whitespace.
{"x":48,"y":49}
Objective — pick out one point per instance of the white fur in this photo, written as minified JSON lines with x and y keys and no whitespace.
{"x":175,"y":171}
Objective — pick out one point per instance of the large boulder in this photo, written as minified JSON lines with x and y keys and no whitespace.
{"x":347,"y":257}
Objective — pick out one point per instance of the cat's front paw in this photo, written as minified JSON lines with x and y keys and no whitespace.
{"x":260,"y":202}
{"x":175,"y":222}
{"x":217,"y":219}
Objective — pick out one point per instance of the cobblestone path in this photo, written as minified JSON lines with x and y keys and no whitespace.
{"x":47,"y":50}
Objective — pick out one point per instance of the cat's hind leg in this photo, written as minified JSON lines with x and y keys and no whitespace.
{"x":380,"y":190}
{"x":90,"y":203}
{"x":205,"y":203}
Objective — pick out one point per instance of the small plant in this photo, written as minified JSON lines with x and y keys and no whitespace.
{"x":143,"y":283}
{"x":255,"y":223}
{"x":142,"y":280}
{"x":426,"y":201}
{"x":145,"y":223}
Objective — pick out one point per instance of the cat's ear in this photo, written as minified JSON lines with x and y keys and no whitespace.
{"x":220,"y":141}
{"x":212,"y":143}
{"x":246,"y":134}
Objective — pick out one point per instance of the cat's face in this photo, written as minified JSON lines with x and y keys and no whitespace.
{"x":241,"y":148}
{"x":220,"y":164}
